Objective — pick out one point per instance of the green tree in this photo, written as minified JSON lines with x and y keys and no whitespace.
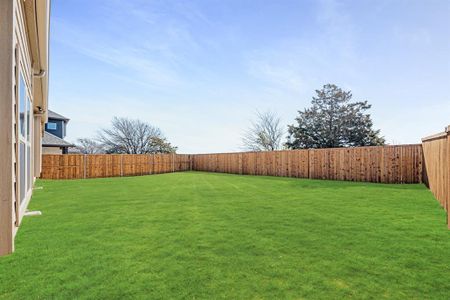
{"x":333,"y":121}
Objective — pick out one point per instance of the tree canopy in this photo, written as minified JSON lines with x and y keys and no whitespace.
{"x":133,"y":136}
{"x":333,"y":120}
{"x":264,"y":134}
{"x":89,"y":146}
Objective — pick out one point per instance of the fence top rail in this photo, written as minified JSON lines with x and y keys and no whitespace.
{"x":115,"y":154}
{"x":436,"y":136}
{"x":312,"y":149}
{"x":439,"y":135}
{"x":244,"y":152}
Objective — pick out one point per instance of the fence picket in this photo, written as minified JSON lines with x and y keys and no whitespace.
{"x":354,"y":164}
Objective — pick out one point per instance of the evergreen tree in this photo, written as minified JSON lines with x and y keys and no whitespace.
{"x":333,"y":121}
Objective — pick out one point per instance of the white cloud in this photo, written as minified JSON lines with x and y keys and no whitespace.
{"x":201,"y":79}
{"x":126,"y":58}
{"x":304,"y":63}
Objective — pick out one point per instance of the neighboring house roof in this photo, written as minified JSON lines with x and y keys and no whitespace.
{"x":50,"y":140}
{"x":56,"y":116}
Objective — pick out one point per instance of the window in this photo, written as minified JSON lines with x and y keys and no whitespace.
{"x":22,"y":106}
{"x":52,"y":126}
{"x":25,"y":137}
{"x":22,"y":138}
{"x":22,"y":158}
{"x":29,"y":132}
{"x":28,"y":120}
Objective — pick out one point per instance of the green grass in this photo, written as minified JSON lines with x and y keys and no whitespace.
{"x":202,"y":235}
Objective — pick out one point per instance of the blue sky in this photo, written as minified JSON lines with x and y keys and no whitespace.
{"x":200,"y":69}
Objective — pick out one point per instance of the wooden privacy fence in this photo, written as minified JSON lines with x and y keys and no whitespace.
{"x":429,"y":163}
{"x":436,"y":150}
{"x":79,"y":166}
{"x":387,"y":164}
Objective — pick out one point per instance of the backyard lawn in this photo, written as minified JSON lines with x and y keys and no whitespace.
{"x":204,"y":235}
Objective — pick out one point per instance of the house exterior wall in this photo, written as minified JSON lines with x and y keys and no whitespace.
{"x":18,"y":104}
{"x":37,"y":144}
{"x":60,"y":128}
{"x":7,"y":138}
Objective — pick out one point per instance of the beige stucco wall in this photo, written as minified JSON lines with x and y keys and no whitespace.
{"x":20,"y":53}
{"x":7,"y":121}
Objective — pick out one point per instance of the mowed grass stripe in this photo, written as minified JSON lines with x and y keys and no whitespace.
{"x":205,"y":235}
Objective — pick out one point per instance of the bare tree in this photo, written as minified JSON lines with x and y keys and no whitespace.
{"x":133,"y":136}
{"x":265,"y":133}
{"x":89,"y":146}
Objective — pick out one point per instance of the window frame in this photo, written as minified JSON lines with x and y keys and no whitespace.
{"x":25,"y":180}
{"x":51,"y":122}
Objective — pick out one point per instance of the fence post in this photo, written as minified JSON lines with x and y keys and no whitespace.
{"x":85,"y":163}
{"x":421,"y":171}
{"x":149,"y":164}
{"x":173,"y":162}
{"x":447,"y":184}
{"x":240,"y":163}
{"x":121,"y":165}
{"x":309,"y":163}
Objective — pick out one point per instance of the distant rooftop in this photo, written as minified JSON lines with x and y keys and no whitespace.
{"x":51,"y":140}
{"x":53,"y":115}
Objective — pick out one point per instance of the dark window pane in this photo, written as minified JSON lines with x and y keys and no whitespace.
{"x":22,"y":106}
{"x":29,"y":181}
{"x":22,"y":171}
{"x":28,"y":119}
